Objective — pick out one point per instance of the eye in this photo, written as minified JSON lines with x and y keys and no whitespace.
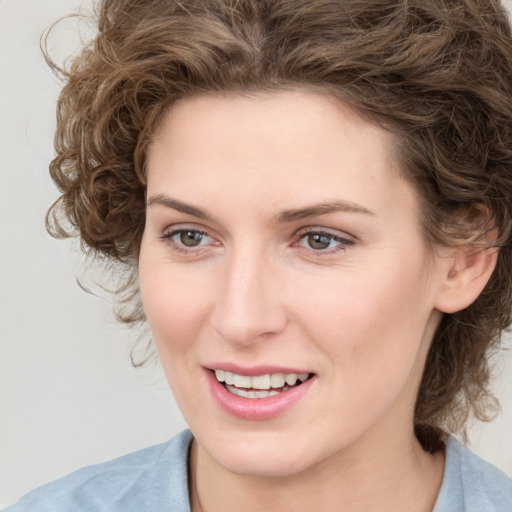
{"x":323,"y":241}
{"x":190,"y":238}
{"x":184,"y":239}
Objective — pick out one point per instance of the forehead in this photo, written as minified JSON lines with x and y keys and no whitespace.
{"x":281,"y":105}
{"x":223,"y":123}
{"x":296,"y":145}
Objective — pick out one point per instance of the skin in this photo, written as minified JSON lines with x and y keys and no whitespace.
{"x":359,"y":314}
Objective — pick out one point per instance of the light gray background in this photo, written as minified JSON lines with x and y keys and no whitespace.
{"x":68,"y":395}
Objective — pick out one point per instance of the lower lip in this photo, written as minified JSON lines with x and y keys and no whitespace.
{"x":256,"y":408}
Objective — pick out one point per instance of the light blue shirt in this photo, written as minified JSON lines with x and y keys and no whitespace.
{"x":155,"y":480}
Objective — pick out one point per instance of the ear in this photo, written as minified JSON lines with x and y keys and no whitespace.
{"x":469,"y":269}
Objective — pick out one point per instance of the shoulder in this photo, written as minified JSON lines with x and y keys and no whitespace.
{"x":151,"y":479}
{"x":471,"y":484}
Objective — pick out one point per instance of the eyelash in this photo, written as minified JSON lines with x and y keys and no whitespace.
{"x":168,"y":238}
{"x":342,"y":241}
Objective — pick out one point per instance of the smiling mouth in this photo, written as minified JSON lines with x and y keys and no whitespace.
{"x":260,"y":386}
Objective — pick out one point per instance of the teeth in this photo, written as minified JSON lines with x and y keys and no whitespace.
{"x":260,"y":382}
{"x":242,"y":381}
{"x":252,"y":394}
{"x":277,"y":380}
{"x":291,"y":379}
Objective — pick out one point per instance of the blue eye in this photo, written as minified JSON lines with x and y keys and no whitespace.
{"x":322,"y":241}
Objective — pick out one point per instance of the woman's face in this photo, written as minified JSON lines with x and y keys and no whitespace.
{"x":282,"y":244}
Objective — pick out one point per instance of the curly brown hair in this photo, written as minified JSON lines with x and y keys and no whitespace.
{"x":436,"y":73}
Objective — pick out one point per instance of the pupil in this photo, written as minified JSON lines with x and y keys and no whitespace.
{"x":319,"y":241}
{"x":191,"y":238}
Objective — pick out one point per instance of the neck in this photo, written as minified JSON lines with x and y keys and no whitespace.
{"x":365,"y":477}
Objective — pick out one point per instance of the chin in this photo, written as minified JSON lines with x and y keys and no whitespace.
{"x":262,"y":465}
{"x":263,"y":454}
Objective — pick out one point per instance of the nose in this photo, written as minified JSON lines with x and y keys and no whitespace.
{"x":249,"y":307}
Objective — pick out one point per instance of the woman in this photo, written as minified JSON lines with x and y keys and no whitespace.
{"x":312,"y":202}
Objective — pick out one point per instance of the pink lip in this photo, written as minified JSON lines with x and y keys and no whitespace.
{"x":256,"y":409}
{"x":252,"y":371}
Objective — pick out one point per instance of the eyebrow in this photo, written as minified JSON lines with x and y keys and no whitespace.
{"x":322,"y":209}
{"x":282,"y":217}
{"x":169,"y":202}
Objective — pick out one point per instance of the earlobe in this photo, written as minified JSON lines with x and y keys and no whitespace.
{"x":467,"y":275}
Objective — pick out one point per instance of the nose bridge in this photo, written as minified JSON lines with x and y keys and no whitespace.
{"x":249,"y":306}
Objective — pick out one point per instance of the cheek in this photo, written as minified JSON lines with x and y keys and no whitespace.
{"x":173,"y":304}
{"x":175,"y":315}
{"x":369,"y":323}
{"x":387,"y":358}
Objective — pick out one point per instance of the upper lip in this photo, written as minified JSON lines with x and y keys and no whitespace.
{"x":252,"y":371}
